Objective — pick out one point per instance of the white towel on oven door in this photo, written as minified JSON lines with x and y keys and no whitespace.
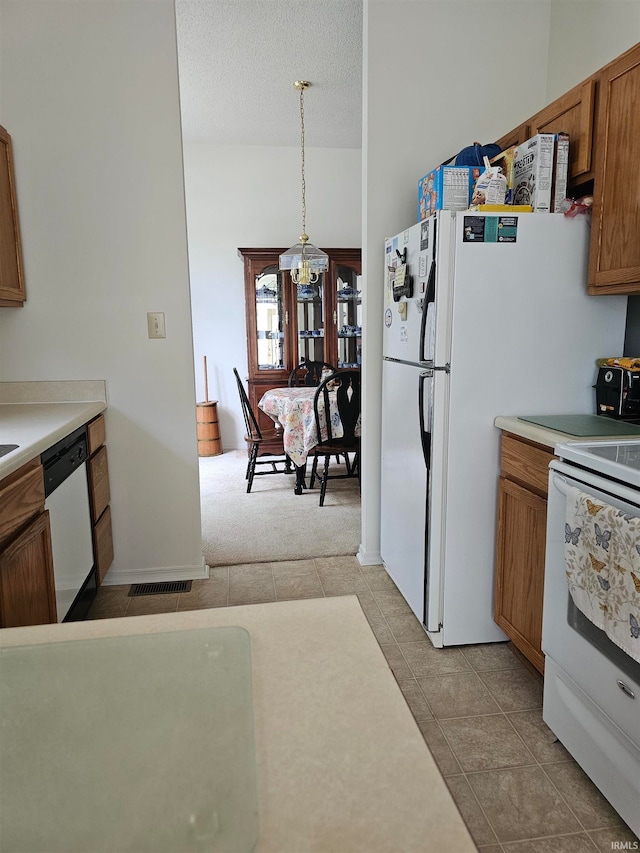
{"x":602,"y":556}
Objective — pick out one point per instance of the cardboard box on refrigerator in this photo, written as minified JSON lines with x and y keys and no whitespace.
{"x":445,"y":188}
{"x":533,"y":172}
{"x":505,"y":161}
{"x":560,"y":172}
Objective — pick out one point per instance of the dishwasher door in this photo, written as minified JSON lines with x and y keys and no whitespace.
{"x":71,"y":541}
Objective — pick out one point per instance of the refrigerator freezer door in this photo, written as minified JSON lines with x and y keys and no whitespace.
{"x":403,"y":483}
{"x":403,"y":319}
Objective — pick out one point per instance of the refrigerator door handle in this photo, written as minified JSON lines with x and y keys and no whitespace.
{"x":429,"y":300}
{"x":425,"y":409}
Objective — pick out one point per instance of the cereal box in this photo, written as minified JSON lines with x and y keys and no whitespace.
{"x":560,"y":171}
{"x":533,"y":172}
{"x":445,"y":188}
{"x":505,"y":161}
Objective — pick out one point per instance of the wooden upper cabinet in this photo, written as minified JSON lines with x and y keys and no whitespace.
{"x":515,"y":137}
{"x":572,"y":113}
{"x":12,"y":293}
{"x":614,"y":262}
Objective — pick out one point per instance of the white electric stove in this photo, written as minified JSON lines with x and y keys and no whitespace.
{"x":592,"y":686}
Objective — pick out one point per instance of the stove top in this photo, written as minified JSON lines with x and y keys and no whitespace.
{"x":617,"y":459}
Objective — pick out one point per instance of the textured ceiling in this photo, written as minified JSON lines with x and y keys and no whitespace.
{"x":238,"y":60}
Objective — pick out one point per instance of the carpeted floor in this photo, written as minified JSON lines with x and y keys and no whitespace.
{"x":272,"y":523}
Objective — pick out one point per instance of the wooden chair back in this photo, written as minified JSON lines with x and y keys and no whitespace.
{"x":309,"y":373}
{"x":346,"y":384}
{"x":250,"y":420}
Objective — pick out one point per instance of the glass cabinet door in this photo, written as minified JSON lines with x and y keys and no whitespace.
{"x":348,"y":317}
{"x":270,"y":319}
{"x":311,"y":320}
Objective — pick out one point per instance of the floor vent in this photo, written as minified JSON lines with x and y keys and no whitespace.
{"x":160,"y":588}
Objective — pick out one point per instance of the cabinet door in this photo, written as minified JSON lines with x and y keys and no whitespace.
{"x":267,"y":320}
{"x":11,"y":273}
{"x":515,"y":137}
{"x":27,"y":590}
{"x":347,"y":314}
{"x":572,"y":113}
{"x":310,"y":325}
{"x":522,"y":518}
{"x":614,"y":262}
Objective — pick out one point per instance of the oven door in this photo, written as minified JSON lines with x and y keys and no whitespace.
{"x":591,"y":687}
{"x":584,"y":652}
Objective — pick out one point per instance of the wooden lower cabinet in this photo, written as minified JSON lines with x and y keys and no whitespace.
{"x":27,"y":590}
{"x":103,"y":545}
{"x":27,"y":587}
{"x":520,"y":546}
{"x":99,"y":497}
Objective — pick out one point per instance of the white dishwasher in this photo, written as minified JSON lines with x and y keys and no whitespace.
{"x":67,"y":499}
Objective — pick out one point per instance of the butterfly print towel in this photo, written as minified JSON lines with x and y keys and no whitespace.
{"x":602,"y":557}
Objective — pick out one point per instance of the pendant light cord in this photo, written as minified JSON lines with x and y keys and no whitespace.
{"x":304,"y":205}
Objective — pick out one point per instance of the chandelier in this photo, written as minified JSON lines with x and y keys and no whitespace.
{"x":304,"y":260}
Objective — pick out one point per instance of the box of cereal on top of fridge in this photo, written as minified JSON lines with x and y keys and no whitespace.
{"x":533,"y":172}
{"x":444,"y":188}
{"x":560,"y":172}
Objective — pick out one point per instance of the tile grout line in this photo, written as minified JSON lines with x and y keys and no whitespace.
{"x":463,"y":773}
{"x":568,"y":805}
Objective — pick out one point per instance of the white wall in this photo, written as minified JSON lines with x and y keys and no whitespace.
{"x":469,"y":70}
{"x":455,"y":84}
{"x":585,"y":36}
{"x":251,"y":197}
{"x":90,"y":97}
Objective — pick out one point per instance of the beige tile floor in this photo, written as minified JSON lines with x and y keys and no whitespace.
{"x":478,"y":707}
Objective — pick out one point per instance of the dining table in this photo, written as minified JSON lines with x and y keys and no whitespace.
{"x":292,"y":409}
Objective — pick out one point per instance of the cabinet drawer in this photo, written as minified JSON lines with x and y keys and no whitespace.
{"x":98,"y":483}
{"x":526,"y":463}
{"x":96,"y":435}
{"x":21,"y":497}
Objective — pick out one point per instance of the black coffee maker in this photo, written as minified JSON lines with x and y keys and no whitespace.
{"x":618,"y":394}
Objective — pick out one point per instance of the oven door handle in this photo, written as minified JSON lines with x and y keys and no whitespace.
{"x":564,"y":476}
{"x":561,"y":484}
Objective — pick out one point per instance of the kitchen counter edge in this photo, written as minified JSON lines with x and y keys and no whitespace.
{"x":34,"y":427}
{"x":547,"y":437}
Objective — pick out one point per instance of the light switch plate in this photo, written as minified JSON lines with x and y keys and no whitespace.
{"x":155,"y":324}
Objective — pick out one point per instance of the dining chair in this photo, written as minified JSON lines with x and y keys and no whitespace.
{"x":257,"y":438}
{"x":345,"y":384}
{"x":309,"y":373}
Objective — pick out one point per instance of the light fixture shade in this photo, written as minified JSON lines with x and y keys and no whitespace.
{"x":305,"y":261}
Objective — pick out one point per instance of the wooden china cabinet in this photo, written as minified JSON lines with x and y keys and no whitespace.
{"x":287,"y":323}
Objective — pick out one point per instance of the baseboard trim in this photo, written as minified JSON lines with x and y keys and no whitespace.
{"x":368,"y":559}
{"x":157,"y":575}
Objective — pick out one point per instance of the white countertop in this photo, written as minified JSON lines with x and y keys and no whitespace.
{"x":34,"y":415}
{"x":542,"y":435}
{"x":341,"y":763}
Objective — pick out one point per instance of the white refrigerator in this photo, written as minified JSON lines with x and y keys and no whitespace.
{"x":492,"y":318}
